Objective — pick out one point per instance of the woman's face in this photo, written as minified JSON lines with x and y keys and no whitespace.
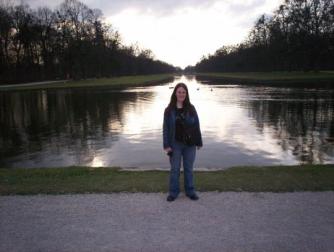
{"x":181,"y":94}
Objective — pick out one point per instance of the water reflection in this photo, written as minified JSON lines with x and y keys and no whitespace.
{"x":241,"y":125}
{"x":300,"y":120}
{"x":63,"y":126}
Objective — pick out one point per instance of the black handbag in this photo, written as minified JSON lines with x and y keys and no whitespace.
{"x":190,"y":135}
{"x":189,"y":132}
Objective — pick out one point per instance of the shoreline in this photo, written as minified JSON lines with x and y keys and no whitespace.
{"x":322,"y":78}
{"x":114,"y":82}
{"x":291,"y":79}
{"x":76,"y":180}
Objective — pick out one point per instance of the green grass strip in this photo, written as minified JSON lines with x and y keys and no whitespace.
{"x":68,"y":180}
{"x":273,"y":77}
{"x":114,"y":82}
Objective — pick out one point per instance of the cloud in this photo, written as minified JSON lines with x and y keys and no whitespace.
{"x":113,"y":7}
{"x":244,"y":6}
{"x":164,"y":7}
{"x":159,"y":8}
{"x":179,"y":32}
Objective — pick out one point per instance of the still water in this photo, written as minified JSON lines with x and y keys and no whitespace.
{"x":241,"y":125}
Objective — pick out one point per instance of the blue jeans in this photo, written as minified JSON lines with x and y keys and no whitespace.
{"x":188,"y":153}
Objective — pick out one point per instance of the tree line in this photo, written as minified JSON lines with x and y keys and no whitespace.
{"x":298,"y":36}
{"x":70,"y":42}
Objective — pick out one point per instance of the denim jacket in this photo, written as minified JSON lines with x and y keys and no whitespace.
{"x":169,"y":127}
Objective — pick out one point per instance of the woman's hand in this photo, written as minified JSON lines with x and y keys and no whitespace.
{"x":168,"y":149}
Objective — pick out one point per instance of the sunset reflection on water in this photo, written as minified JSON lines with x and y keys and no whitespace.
{"x":241,"y":125}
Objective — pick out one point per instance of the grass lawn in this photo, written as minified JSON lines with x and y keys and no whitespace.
{"x":66,"y":180}
{"x":115,"y":82}
{"x":273,"y":77}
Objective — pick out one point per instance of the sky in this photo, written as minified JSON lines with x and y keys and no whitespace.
{"x":179,"y":32}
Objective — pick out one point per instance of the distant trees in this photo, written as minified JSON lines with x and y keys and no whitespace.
{"x":298,"y":36}
{"x":71,"y":41}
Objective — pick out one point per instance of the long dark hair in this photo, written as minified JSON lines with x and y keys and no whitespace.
{"x":188,"y":107}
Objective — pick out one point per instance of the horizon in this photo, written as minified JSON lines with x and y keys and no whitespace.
{"x":177,"y":31}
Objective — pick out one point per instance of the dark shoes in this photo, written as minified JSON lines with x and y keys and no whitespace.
{"x":193,"y":196}
{"x":170,"y":198}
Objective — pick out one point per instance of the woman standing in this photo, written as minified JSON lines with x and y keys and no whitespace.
{"x":181,"y":135}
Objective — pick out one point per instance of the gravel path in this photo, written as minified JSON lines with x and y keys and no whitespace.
{"x":228,"y":221}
